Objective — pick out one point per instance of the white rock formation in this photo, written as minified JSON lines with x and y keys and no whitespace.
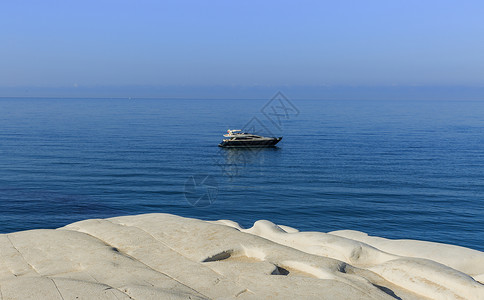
{"x":161,"y":256}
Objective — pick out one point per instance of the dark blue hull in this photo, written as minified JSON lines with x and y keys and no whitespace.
{"x":249,"y":144}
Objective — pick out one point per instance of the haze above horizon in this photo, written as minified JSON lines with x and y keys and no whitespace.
{"x":249,"y":49}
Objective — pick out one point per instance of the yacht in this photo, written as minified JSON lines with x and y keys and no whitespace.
{"x":237,"y":138}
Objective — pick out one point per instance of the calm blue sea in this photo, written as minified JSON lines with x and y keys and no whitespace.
{"x":407,"y":169}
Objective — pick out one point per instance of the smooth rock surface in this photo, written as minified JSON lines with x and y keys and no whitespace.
{"x":161,"y":256}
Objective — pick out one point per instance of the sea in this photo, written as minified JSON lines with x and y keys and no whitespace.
{"x":393,"y":169}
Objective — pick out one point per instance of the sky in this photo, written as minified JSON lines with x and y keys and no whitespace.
{"x":248,"y":48}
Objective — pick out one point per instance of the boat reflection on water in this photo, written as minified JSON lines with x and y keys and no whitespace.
{"x":237,"y":159}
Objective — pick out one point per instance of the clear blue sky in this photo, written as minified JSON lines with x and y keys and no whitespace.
{"x":244,"y":44}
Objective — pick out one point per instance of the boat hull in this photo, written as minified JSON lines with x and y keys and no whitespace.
{"x":250,"y":144}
